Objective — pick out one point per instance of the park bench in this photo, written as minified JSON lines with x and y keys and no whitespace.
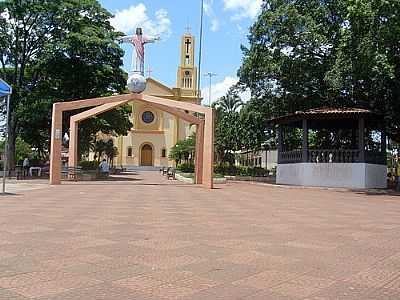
{"x":71,"y":173}
{"x":164,"y":171}
{"x":171,"y":173}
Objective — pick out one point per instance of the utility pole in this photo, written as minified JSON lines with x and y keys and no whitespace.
{"x":5,"y":92}
{"x":200,"y":51}
{"x":210,"y":75}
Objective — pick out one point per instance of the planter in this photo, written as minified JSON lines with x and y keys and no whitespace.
{"x":182,"y":178}
{"x":88,"y":176}
{"x":267,"y":179}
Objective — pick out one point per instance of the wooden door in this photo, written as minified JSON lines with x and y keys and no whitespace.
{"x":146,"y":157}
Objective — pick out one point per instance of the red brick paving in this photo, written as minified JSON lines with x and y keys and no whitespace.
{"x":143,"y":237}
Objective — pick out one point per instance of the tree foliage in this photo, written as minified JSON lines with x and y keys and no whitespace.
{"x":307,"y":54}
{"x":56,"y":50}
{"x":184,"y":150}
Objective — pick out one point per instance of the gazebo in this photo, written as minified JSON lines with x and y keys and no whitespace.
{"x":332,"y":147}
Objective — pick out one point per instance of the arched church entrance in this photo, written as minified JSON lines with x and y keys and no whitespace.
{"x":146,"y":155}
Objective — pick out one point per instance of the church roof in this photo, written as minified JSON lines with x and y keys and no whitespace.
{"x":156,"y":88}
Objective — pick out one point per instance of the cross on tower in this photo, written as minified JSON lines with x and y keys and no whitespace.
{"x":149,"y":71}
{"x":188,"y":43}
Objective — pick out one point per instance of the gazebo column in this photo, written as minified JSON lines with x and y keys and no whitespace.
{"x":361,"y":139}
{"x":383,"y":143}
{"x":280,"y":141}
{"x":305,"y":141}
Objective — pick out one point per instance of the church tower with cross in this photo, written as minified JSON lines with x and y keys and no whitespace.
{"x":187,"y":71}
{"x":155,"y":132}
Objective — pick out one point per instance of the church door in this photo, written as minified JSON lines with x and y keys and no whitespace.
{"x":146,"y":157}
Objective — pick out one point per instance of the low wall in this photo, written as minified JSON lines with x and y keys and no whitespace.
{"x":266,"y":179}
{"x":347,"y":175}
{"x":182,"y":178}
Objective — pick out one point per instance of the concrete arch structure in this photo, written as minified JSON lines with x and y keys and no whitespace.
{"x":204,"y":129}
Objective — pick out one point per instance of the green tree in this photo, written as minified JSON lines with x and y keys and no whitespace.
{"x":55,"y":50}
{"x":366,"y":72}
{"x":184,"y":150}
{"x":23,"y":149}
{"x":307,"y":54}
{"x":228,"y":129}
{"x":231,"y":102}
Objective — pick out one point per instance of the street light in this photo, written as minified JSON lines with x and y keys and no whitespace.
{"x":210,"y":75}
{"x":200,"y":50}
{"x":5,"y":92}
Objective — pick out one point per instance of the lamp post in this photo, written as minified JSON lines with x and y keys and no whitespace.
{"x":5,"y":91}
{"x":210,"y":75}
{"x":200,"y":51}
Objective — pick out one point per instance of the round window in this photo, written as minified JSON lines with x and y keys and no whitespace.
{"x":148,"y":117}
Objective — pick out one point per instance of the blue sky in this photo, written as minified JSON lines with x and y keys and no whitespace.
{"x":226,"y":26}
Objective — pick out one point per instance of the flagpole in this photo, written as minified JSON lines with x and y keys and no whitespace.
{"x":200,"y":51}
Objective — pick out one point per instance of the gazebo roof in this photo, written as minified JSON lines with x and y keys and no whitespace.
{"x":324,"y":113}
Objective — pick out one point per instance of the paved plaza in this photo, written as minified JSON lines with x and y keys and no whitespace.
{"x":143,"y":237}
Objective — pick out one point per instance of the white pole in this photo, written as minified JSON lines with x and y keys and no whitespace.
{"x":200,"y":51}
{"x":209,"y":96}
{"x":5,"y":161}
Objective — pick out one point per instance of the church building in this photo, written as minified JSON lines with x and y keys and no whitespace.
{"x":155,"y":132}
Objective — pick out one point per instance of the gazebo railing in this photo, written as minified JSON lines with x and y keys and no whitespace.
{"x":333,"y":156}
{"x":375,"y":157}
{"x":287,"y":157}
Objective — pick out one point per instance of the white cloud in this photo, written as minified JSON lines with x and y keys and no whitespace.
{"x":220,"y":89}
{"x":127,"y":20}
{"x":243,"y":8}
{"x":209,"y":11}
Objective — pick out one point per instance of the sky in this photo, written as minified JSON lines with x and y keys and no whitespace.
{"x":226,"y":25}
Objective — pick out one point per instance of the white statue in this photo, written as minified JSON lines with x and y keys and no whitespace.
{"x":138,"y":41}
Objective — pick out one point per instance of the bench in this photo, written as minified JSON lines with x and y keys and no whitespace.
{"x":164,"y":171}
{"x":71,"y":173}
{"x":171,"y":173}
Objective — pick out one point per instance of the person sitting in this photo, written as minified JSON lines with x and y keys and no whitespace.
{"x":104,"y":169}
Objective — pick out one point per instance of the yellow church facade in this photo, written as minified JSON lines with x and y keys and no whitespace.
{"x":155,"y":132}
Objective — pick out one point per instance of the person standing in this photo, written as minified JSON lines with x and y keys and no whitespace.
{"x":25,"y":167}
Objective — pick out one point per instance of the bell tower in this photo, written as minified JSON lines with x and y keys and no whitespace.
{"x":187,"y":72}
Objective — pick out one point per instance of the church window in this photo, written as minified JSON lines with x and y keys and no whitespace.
{"x":187,"y":80}
{"x":148,"y":117}
{"x":164,"y":153}
{"x":130,"y":151}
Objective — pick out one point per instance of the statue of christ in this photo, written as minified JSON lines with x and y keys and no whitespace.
{"x":138,"y":41}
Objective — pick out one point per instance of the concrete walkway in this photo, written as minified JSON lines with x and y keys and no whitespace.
{"x":143,"y":237}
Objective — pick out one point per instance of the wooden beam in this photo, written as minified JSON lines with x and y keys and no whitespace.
{"x":96,"y":111}
{"x":78,"y":104}
{"x":199,"y":153}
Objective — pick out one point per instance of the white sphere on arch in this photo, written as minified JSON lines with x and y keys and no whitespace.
{"x":136,"y":83}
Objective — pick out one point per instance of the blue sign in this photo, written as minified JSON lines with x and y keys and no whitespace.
{"x":5,"y":89}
